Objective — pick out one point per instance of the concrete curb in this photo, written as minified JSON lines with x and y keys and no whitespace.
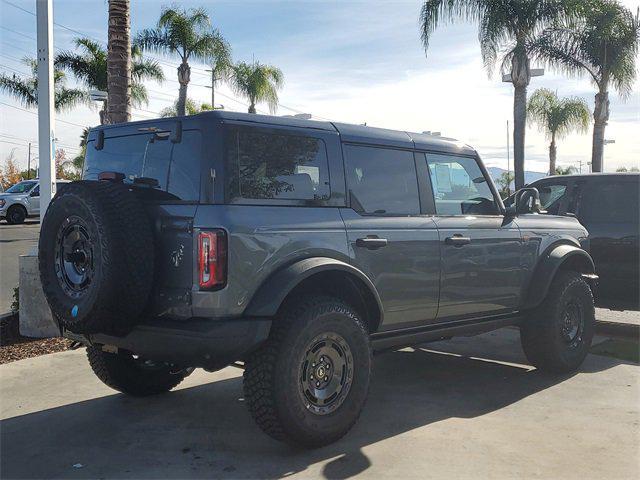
{"x":629,"y":331}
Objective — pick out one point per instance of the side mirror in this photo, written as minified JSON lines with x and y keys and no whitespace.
{"x":526,"y":200}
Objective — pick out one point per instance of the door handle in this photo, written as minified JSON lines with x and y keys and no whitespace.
{"x":371,"y":243}
{"x":457,"y":240}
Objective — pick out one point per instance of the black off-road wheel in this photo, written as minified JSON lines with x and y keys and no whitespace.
{"x":96,"y":257}
{"x":16,"y":215}
{"x":308,"y":383}
{"x":133,"y":375}
{"x":556,"y":337}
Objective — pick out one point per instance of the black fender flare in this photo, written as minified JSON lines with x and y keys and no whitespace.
{"x":548,"y":266}
{"x":270,"y":295}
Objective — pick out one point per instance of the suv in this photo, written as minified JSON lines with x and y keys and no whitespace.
{"x":296,"y":248}
{"x":21,"y":200}
{"x":608,"y":205}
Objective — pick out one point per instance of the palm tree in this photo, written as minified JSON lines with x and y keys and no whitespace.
{"x":257,"y":83}
{"x":557,"y":118}
{"x":565,"y":170}
{"x":186,"y":33}
{"x":602,"y":43}
{"x":221,"y":64}
{"x":90,"y":68}
{"x":25,"y":90}
{"x":191,"y":107}
{"x":502,"y":24}
{"x":119,"y":62}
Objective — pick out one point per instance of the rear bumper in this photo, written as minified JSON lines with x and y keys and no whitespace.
{"x":197,"y":342}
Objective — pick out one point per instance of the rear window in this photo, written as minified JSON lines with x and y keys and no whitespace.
{"x":175,"y":166}
{"x":264,"y":165}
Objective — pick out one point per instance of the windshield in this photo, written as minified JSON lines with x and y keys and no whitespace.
{"x":22,"y":187}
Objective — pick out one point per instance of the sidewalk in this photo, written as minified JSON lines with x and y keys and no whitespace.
{"x":625,"y":323}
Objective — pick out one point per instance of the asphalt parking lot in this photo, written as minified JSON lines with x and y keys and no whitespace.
{"x":466,"y":408}
{"x":15,"y":240}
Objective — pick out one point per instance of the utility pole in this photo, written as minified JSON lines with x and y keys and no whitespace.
{"x":46,"y":118}
{"x":29,"y":163}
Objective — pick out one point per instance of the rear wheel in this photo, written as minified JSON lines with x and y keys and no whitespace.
{"x":16,"y":215}
{"x":134,"y":375}
{"x":307,"y":385}
{"x":557,"y":335}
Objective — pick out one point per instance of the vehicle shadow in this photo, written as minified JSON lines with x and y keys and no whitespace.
{"x":205,"y":431}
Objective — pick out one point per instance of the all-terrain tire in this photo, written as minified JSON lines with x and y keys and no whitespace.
{"x":123,"y":372}
{"x":16,"y":215}
{"x":96,"y":257}
{"x":274,"y":388}
{"x":557,"y":335}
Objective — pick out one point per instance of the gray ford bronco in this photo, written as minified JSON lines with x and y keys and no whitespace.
{"x":295,"y":249}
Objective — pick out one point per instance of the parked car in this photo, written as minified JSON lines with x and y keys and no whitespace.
{"x":608,"y":205}
{"x":297,"y":248}
{"x":21,"y":201}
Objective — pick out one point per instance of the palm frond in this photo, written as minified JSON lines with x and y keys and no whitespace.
{"x":20,"y":89}
{"x":67,"y":98}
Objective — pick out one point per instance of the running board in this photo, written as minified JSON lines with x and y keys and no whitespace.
{"x":429,"y":333}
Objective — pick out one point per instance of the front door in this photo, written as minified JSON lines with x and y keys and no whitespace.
{"x":389,"y":239}
{"x":481,"y":249}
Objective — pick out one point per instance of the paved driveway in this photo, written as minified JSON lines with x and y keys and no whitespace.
{"x":467,"y":408}
{"x":15,"y":240}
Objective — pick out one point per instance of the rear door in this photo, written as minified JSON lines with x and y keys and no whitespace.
{"x":607,"y":205}
{"x":389,"y":237}
{"x":481,"y":248}
{"x":166,"y":177}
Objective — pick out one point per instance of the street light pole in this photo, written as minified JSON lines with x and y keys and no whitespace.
{"x":46,"y":107}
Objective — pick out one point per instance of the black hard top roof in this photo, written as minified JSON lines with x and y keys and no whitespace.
{"x":348,"y":132}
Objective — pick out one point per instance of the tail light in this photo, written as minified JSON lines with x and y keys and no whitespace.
{"x":212,"y":259}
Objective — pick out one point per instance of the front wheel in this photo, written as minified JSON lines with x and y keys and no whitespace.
{"x":16,"y":215}
{"x":308,"y":384}
{"x":134,"y":375}
{"x":556,"y":336}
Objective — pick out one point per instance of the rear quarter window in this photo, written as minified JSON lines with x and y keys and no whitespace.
{"x":264,"y":165}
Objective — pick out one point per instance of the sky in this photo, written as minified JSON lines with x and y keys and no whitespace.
{"x":349,"y":61}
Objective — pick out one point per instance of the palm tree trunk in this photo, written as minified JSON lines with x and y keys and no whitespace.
{"x":520,"y":77}
{"x":600,"y":119}
{"x":119,"y":62}
{"x":252,"y":108}
{"x":552,"y":155}
{"x":519,"y":128}
{"x":184,"y":75}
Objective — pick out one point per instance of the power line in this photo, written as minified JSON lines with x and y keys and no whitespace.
{"x":34,"y":113}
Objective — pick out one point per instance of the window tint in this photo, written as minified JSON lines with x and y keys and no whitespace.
{"x":275,"y":166}
{"x":176,"y":167}
{"x":551,"y":197}
{"x":36,"y":191}
{"x":184,"y":174}
{"x":381,"y":181}
{"x":459,"y":187}
{"x":610,"y":202}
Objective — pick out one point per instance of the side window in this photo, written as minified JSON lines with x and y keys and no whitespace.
{"x":459,"y":187}
{"x":275,"y":166}
{"x":381,"y":181}
{"x":35,"y":192}
{"x":184,"y":172}
{"x":609,"y":202}
{"x":551,"y":196}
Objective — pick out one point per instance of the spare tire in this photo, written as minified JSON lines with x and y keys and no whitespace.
{"x":96,"y":257}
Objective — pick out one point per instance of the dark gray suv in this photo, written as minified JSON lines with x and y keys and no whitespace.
{"x":296,"y":248}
